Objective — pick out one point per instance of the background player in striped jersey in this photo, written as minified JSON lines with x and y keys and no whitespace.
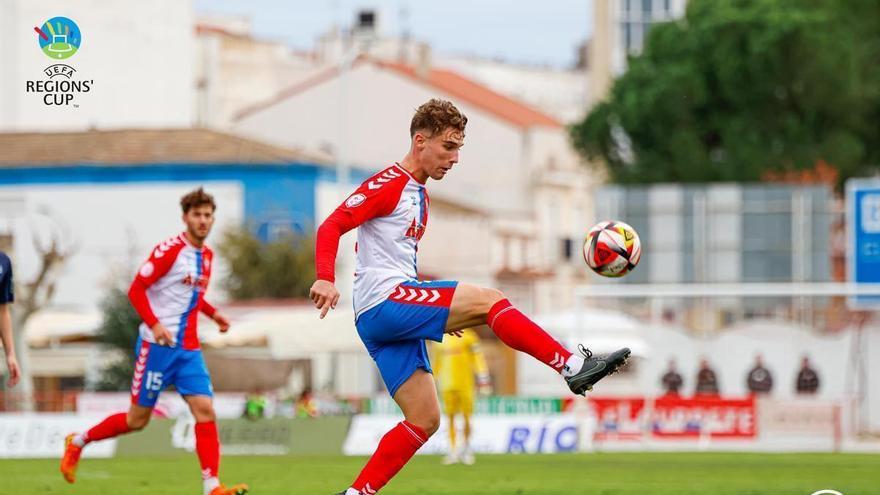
{"x":395,"y":312}
{"x":169,"y":293}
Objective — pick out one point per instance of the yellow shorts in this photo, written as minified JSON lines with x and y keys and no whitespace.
{"x":458,"y":402}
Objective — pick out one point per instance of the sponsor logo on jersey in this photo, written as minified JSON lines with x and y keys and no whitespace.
{"x":415,"y":230}
{"x":383,"y":178}
{"x":161,"y":249}
{"x":199,"y":283}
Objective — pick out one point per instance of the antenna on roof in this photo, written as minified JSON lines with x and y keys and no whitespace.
{"x":405,"y":34}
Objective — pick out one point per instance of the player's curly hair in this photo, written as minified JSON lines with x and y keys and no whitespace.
{"x":437,"y":115}
{"x":196,"y":198}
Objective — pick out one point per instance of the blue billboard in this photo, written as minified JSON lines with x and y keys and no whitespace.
{"x":863,"y":232}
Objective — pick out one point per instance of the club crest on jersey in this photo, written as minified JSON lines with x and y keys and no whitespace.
{"x":415,"y":230}
{"x":355,"y":200}
{"x":147,"y":269}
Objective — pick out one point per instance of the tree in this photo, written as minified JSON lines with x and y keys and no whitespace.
{"x":118,"y":332}
{"x":37,"y":294}
{"x":283,"y":268}
{"x":742,"y":87}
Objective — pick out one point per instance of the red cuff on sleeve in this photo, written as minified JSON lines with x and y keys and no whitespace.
{"x":208,"y":309}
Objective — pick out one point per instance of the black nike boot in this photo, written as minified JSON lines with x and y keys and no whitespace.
{"x":596,"y":368}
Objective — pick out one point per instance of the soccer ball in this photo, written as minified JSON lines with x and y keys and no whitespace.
{"x":612,"y":249}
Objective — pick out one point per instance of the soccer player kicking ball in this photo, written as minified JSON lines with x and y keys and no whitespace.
{"x":395,"y":312}
{"x":168,"y":294}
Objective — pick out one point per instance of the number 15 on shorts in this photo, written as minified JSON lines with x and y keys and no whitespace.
{"x":154,"y":381}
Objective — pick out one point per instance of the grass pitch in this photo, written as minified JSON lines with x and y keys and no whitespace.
{"x":593,"y":474}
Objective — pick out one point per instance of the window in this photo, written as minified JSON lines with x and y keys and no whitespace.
{"x":766,"y":231}
{"x":627,"y":36}
{"x":567,"y":248}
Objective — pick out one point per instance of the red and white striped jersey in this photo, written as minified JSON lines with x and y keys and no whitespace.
{"x":170,"y":288}
{"x":390,"y":210}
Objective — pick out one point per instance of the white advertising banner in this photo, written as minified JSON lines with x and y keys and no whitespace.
{"x":531,"y":434}
{"x":170,"y":404}
{"x":42,"y":435}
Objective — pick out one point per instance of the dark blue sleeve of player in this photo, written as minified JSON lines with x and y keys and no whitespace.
{"x":7,"y":294}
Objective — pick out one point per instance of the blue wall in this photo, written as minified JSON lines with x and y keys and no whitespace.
{"x":275,"y":195}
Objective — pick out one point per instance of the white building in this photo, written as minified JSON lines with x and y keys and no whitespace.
{"x":620,"y":28}
{"x":561,"y":93}
{"x":137,"y":56}
{"x":235,"y":70}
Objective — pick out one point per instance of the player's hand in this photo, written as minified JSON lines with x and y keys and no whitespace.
{"x":222,"y":321}
{"x":325,"y":296}
{"x":457,"y":333}
{"x":162,"y":335}
{"x":14,"y":371}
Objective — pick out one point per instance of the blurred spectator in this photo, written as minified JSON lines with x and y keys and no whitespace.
{"x":759,"y":379}
{"x":707,"y":382}
{"x":306,"y":406}
{"x":255,"y":406}
{"x":807,"y":378}
{"x":672,"y":380}
{"x":6,"y":298}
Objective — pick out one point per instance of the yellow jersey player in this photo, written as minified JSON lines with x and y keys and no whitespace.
{"x":460,"y":367}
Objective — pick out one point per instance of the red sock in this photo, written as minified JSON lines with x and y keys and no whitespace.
{"x":395,"y":449}
{"x":111,"y":426}
{"x":208,"y":448}
{"x":522,"y":334}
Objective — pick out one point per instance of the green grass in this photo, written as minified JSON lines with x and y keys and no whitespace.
{"x":596,"y":474}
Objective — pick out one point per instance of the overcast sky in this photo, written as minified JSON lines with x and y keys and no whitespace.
{"x":528,"y":31}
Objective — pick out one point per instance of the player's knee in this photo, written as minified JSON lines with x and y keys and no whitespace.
{"x":205,"y":415}
{"x":490,"y":297}
{"x":431,"y":423}
{"x":137,"y":422}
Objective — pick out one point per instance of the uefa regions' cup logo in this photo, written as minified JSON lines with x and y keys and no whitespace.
{"x":59,"y":37}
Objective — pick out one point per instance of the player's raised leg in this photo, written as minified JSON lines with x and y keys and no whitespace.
{"x":417,"y":398}
{"x":112,"y":426}
{"x":472,"y":305}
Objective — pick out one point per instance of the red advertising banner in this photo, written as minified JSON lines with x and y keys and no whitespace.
{"x":674,"y":417}
{"x":618,"y":418}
